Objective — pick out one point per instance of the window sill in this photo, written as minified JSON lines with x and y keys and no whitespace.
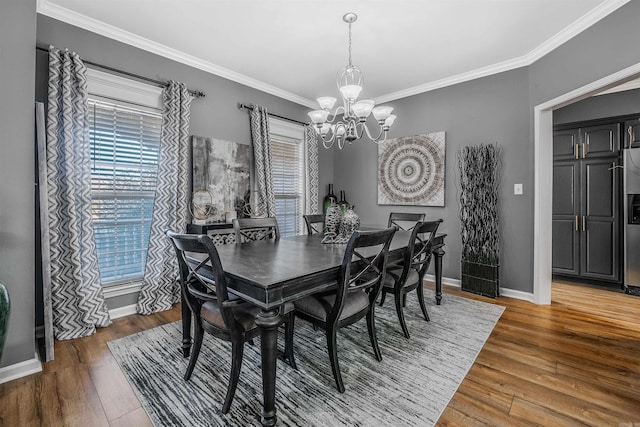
{"x":122,"y":289}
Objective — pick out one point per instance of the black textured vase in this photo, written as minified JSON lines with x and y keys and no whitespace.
{"x":5,"y":310}
{"x":329,"y":199}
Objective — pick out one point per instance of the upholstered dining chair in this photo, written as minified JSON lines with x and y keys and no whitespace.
{"x":409,"y":275}
{"x":250,"y":229}
{"x":217,"y":311}
{"x":358,"y":285}
{"x":404,"y":220}
{"x":315,"y":223}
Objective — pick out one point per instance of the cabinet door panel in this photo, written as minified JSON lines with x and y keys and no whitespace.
{"x":599,"y":244}
{"x":600,"y":189}
{"x":599,"y":141}
{"x":566,"y":204}
{"x":564,"y":144}
{"x":599,"y":250}
{"x":566,"y":255}
{"x":565,"y":188}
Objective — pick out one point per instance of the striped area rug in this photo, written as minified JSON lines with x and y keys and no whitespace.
{"x":411,"y":386}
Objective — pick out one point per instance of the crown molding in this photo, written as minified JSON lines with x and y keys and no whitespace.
{"x":572,"y":30}
{"x":44,"y":7}
{"x":459,"y":78}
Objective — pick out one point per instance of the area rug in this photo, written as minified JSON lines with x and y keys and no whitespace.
{"x":411,"y":386}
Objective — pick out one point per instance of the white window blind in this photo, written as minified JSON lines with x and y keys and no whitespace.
{"x":288,"y":167}
{"x":125,"y":142}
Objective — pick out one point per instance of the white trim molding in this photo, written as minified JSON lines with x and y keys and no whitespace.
{"x":123,"y":289}
{"x":127,"y":310}
{"x":45,"y":7}
{"x":21,"y":369}
{"x":543,"y":172}
{"x":504,"y":292}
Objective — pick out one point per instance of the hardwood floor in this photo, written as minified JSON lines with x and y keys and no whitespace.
{"x":575,"y":362}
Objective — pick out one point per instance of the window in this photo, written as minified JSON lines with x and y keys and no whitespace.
{"x":125,"y":142}
{"x":288,"y":166}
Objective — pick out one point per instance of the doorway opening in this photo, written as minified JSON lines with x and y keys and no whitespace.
{"x":543,"y":175}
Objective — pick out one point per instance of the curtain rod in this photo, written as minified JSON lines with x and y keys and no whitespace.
{"x":194,"y":93}
{"x":250,"y":107}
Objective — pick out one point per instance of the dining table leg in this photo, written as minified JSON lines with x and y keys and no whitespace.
{"x":186,"y":328}
{"x":268,"y":322}
{"x":438,"y":253}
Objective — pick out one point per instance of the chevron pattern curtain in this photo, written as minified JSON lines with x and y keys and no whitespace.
{"x":76,"y":293}
{"x":311,"y":146}
{"x":171,"y":205}
{"x":259,"y":122}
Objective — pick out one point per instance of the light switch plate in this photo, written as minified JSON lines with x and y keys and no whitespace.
{"x":517,"y":189}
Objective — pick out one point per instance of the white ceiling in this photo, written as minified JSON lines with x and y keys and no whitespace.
{"x":294,"y":48}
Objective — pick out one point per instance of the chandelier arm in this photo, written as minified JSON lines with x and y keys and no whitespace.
{"x":377,"y":139}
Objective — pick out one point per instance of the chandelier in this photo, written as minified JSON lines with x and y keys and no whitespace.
{"x":352,"y":124}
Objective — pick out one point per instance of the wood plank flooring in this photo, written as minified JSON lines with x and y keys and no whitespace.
{"x":575,"y":362}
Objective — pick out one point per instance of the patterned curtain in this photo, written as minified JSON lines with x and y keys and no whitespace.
{"x":76,"y":293}
{"x":259,"y":122}
{"x":171,"y":206}
{"x":311,"y":145}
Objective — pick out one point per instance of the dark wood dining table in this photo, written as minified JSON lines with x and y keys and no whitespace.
{"x":269,"y":273}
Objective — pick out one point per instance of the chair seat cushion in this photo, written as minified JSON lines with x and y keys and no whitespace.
{"x":318,"y":306}
{"x":390,"y":279}
{"x":244,"y":313}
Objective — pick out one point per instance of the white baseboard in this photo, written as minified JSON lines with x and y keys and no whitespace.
{"x":21,"y":369}
{"x":122,"y":311}
{"x":504,"y":292}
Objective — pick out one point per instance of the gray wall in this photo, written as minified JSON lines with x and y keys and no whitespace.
{"x":17,"y":37}
{"x":492,"y":109}
{"x":598,"y":107}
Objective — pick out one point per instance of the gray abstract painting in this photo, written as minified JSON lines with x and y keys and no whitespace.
{"x":222,"y":168}
{"x":411,"y":170}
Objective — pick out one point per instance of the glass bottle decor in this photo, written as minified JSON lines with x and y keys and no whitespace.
{"x":329,"y":199}
{"x":343,"y":204}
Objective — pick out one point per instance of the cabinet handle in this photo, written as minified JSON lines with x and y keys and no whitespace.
{"x":576,"y":150}
{"x":583,"y":150}
{"x":577,"y":223}
{"x":583,"y":223}
{"x":630,"y":132}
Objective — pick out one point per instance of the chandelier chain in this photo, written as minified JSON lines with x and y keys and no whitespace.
{"x":350,"y":64}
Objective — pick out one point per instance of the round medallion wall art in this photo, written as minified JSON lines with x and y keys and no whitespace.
{"x":411,"y":170}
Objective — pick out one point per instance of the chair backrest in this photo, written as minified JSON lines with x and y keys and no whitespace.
{"x":251,"y":229}
{"x":200,"y":282}
{"x":362,"y":272}
{"x":315,"y":223}
{"x":404,"y":220}
{"x":418,"y":253}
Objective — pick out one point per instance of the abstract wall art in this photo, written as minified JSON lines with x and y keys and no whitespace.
{"x":222,"y":168}
{"x":411,"y":170}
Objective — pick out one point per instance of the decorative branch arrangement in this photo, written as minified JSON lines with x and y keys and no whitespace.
{"x":479,"y":174}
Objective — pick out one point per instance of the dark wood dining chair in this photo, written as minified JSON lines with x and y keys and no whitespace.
{"x":358,"y":285}
{"x":251,"y":229}
{"x":404,"y":220}
{"x":217,"y":311}
{"x":409,"y":276}
{"x":315,"y":223}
